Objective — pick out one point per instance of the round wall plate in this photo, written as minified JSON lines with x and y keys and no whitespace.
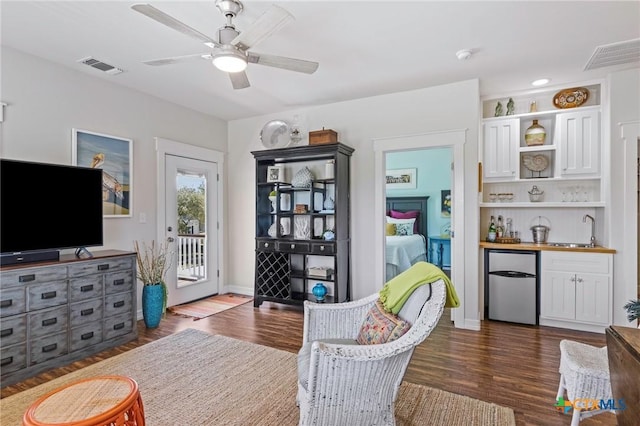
{"x":275,"y":134}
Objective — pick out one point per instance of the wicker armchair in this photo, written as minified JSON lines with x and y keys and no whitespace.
{"x":341,"y":382}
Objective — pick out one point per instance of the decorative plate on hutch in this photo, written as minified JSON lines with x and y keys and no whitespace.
{"x":275,"y":134}
{"x":571,"y":98}
{"x":535,"y":163}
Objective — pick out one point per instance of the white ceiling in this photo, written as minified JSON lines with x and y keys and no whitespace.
{"x":365,"y":48}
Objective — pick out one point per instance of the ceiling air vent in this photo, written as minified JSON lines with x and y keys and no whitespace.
{"x":99,"y":65}
{"x":623,"y":52}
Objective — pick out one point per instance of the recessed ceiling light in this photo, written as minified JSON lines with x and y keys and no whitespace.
{"x":540,"y":82}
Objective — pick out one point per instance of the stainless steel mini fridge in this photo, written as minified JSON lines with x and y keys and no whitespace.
{"x":511,"y":285}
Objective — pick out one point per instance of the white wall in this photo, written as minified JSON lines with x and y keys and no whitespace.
{"x":358,"y":122}
{"x":46,"y":100}
{"x":625,"y":108}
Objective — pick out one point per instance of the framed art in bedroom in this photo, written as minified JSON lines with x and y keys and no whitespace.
{"x":401,"y":179}
{"x":114,"y":156}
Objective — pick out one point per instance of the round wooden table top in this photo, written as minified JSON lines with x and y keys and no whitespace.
{"x":86,"y":402}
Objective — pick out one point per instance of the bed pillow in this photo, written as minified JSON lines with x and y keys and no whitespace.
{"x":400,"y":229}
{"x":411,"y":214}
{"x":380,"y":326}
{"x":391,"y":229}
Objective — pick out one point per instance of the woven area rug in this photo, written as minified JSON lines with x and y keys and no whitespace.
{"x":209,"y":306}
{"x":194,"y":378}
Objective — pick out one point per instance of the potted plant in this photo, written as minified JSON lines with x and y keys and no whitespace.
{"x":153,"y":262}
{"x":633,"y":310}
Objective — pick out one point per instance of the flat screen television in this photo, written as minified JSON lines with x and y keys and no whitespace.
{"x":47,"y":207}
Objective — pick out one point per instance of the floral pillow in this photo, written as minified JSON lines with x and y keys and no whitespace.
{"x":411,"y":214}
{"x":404,"y":229}
{"x":380,"y":326}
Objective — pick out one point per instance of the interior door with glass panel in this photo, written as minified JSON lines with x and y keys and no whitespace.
{"x":191,"y":228}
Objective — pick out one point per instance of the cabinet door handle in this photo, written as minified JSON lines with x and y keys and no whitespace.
{"x":266,"y":245}
{"x":85,"y":312}
{"x":573,"y":279}
{"x":118,"y":282}
{"x":87,"y":336}
{"x":6,"y":332}
{"x":119,"y":304}
{"x":103,"y":267}
{"x":118,"y":326}
{"x":86,"y":288}
{"x":6,"y":361}
{"x":48,"y":295}
{"x":49,"y":321}
{"x":49,"y":348}
{"x":26,"y":278}
{"x":6,"y":303}
{"x":579,"y":280}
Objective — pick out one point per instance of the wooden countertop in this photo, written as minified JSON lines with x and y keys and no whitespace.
{"x":544,"y":247}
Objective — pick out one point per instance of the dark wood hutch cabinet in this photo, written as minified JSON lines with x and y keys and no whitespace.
{"x":291,"y":223}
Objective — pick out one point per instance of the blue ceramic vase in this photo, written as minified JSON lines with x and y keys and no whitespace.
{"x":319,"y":291}
{"x":152,"y":304}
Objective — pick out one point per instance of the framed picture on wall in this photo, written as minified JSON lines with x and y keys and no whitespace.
{"x":445,"y":202}
{"x":114,"y":156}
{"x":401,"y":179}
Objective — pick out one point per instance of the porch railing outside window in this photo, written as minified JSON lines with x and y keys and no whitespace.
{"x":192,"y":257}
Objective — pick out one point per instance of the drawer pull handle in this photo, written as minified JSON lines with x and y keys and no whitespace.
{"x":49,"y":321}
{"x":321,"y":248}
{"x":6,"y":361}
{"x":85,"y":312}
{"x":26,"y":278}
{"x":85,"y":288}
{"x":49,"y":348}
{"x":6,"y":332}
{"x":293,"y":246}
{"x":6,"y":303}
{"x":87,"y":336}
{"x":266,"y":245}
{"x":103,"y":267}
{"x":118,"y":282}
{"x":119,"y":304}
{"x":48,"y":295}
{"x":118,"y":326}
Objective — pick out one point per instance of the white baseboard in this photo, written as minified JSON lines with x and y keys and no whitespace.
{"x":237,"y":290}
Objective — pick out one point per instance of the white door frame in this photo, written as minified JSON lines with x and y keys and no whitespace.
{"x":454,"y":139}
{"x":166,"y":147}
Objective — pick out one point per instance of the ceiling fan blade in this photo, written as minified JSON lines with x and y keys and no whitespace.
{"x":239,"y":80}
{"x":171,"y":22}
{"x":299,"y":65}
{"x":177,"y":59}
{"x":268,"y":23}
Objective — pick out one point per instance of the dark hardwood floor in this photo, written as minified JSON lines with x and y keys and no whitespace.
{"x":510,"y":365}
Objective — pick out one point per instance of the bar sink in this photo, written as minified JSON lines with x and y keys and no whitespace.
{"x":570,"y":245}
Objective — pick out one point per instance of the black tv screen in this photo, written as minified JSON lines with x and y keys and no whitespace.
{"x":49,"y":207}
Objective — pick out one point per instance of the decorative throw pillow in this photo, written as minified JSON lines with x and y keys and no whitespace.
{"x":411,"y":214}
{"x":404,"y":229}
{"x":380,"y":326}
{"x":401,"y":221}
{"x":391,"y":229}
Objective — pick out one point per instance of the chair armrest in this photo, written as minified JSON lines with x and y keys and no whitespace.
{"x":335,"y":320}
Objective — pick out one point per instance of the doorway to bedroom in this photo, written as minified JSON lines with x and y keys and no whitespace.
{"x":418,"y":192}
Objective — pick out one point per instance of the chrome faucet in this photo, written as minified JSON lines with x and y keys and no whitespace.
{"x":593,"y":228}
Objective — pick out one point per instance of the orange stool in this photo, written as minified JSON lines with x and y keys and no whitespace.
{"x":98,"y":401}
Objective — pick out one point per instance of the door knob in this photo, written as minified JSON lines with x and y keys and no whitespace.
{"x":170,"y":239}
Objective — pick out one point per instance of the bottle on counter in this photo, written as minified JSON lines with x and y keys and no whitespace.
{"x":500,"y":228}
{"x":491,"y":237}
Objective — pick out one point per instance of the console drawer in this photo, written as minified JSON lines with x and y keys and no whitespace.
{"x":13,"y":330}
{"x":100,"y":266}
{"x":323,"y":248}
{"x":13,"y":358}
{"x":48,"y":347}
{"x":118,"y":282}
{"x":117,"y":326}
{"x":33,"y":276}
{"x":49,"y":321}
{"x":47,"y":295}
{"x":12,"y":301}
{"x":263,"y":245}
{"x":85,"y":288}
{"x":86,"y":335}
{"x":293,"y":247}
{"x":83,"y":312}
{"x":117,"y":304}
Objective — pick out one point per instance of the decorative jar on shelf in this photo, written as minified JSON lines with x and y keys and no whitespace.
{"x":535,"y":134}
{"x":319,"y":291}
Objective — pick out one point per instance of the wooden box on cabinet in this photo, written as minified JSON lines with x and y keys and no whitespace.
{"x":319,"y":137}
{"x":289,"y":241}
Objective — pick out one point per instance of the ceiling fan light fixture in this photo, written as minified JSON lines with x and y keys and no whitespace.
{"x":230,"y":62}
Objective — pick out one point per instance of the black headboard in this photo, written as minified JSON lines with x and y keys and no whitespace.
{"x":404,"y":204}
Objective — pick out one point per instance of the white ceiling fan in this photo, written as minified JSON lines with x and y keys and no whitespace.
{"x":230,"y":53}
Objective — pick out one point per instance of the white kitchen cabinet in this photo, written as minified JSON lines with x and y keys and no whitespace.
{"x":576,"y":290}
{"x":500,"y":148}
{"x":579,"y":136}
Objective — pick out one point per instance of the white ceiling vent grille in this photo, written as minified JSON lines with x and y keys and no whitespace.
{"x":99,"y":65}
{"x":623,"y":52}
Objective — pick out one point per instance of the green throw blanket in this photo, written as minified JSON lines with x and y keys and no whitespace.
{"x":398,"y":289}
